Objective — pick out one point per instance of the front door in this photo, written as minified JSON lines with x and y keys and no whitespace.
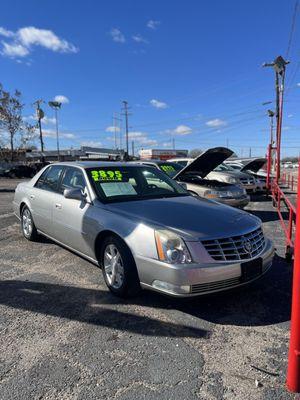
{"x":69,"y":215}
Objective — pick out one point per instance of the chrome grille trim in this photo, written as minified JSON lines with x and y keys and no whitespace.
{"x":247,"y":181}
{"x":211,"y":286}
{"x":235,"y":248}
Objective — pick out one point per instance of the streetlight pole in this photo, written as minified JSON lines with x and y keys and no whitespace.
{"x":55,"y":105}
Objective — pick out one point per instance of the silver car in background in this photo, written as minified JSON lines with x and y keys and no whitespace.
{"x":252,"y":166}
{"x":222,"y":172}
{"x":143,"y":229}
{"x":193,"y":176}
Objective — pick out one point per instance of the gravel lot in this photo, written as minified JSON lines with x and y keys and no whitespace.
{"x":64,"y":336}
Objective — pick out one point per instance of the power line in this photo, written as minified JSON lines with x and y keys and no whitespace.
{"x":292,"y":30}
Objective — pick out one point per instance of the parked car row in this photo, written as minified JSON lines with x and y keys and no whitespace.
{"x":143,"y":228}
{"x":21,"y":170}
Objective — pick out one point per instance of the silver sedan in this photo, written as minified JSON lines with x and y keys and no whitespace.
{"x":143,"y":229}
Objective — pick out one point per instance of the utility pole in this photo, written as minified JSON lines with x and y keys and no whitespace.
{"x":250,"y":152}
{"x":56,"y":105}
{"x":173,"y":143}
{"x":40,"y":115}
{"x":116,"y":125}
{"x":126,"y":114}
{"x":132,"y":148}
{"x":279,"y":65}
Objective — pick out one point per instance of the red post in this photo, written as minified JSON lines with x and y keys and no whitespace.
{"x":269,"y":163}
{"x":293,"y":372}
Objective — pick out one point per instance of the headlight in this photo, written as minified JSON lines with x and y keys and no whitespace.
{"x":233,"y":180}
{"x":211,"y":194}
{"x":215,"y":194}
{"x":171,"y":248}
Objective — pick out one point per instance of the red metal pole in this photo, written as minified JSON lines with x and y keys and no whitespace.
{"x":293,"y":372}
{"x":269,"y":163}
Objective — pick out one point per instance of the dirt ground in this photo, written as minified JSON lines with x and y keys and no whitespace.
{"x":64,"y":336}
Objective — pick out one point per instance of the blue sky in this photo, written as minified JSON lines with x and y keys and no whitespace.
{"x":190,"y":70}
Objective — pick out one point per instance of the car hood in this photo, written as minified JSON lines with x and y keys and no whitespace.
{"x":233,"y":174}
{"x":206,"y":162}
{"x":254,"y":165}
{"x":191,"y":217}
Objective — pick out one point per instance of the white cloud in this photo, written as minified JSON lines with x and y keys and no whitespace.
{"x":182,"y":130}
{"x":117,"y":35}
{"x":14,"y":50}
{"x":298,"y":84}
{"x":158,"y":104}
{"x":46,"y":120}
{"x":61,"y":99}
{"x":139,"y":38}
{"x":51,"y":133}
{"x":24,"y":39}
{"x":290,"y":115}
{"x":91,"y":143}
{"x":216,"y":123}
{"x":4,"y":32}
{"x":152,"y":24}
{"x":112,"y":129}
{"x":141,"y":138}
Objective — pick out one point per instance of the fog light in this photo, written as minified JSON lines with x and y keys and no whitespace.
{"x":170,"y":288}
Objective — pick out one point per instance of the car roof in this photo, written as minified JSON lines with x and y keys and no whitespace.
{"x":96,"y":164}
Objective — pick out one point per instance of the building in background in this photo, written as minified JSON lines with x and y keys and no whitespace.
{"x":165,"y":154}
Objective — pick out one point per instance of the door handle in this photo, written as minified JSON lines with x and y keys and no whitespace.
{"x":57,"y":205}
{"x":32,"y":196}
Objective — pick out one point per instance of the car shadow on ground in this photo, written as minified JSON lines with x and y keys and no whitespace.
{"x":263,"y":302}
{"x":89,"y":306}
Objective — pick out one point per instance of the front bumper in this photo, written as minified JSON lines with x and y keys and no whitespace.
{"x":239,"y":202}
{"x":190,"y":280}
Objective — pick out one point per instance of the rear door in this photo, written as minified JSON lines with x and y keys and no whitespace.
{"x":42,"y":197}
{"x":71,"y":217}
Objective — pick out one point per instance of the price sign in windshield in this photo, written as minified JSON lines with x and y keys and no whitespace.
{"x":102,"y":175}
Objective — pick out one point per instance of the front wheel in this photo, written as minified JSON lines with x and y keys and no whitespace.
{"x":118,"y":268}
{"x":27,"y":225}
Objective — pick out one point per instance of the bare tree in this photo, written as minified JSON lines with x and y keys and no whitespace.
{"x":11,"y":115}
{"x":28,"y":135}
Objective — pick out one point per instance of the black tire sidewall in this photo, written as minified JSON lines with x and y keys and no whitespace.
{"x":131,"y":284}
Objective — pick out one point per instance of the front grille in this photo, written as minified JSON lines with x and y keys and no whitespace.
{"x":236,"y":248}
{"x":211,"y":286}
{"x":247,"y":181}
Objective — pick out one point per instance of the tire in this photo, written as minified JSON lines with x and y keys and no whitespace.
{"x":120,"y":275}
{"x":27,"y":225}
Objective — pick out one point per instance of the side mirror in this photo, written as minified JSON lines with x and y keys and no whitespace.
{"x":75,"y":194}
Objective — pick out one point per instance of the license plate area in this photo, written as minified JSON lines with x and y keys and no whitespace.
{"x":251,"y":269}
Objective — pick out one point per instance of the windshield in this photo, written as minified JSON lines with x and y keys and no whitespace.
{"x":125,"y":183}
{"x":170,"y":169}
{"x":223,"y":167}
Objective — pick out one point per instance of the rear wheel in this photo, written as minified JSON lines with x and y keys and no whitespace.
{"x":27,"y":225}
{"x":118,"y":268}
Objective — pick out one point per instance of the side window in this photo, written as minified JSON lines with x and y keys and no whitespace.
{"x":41,"y":179}
{"x":73,"y":179}
{"x":51,"y":179}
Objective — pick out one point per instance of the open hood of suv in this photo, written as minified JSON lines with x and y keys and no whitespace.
{"x":206,"y":162}
{"x":254,"y":165}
